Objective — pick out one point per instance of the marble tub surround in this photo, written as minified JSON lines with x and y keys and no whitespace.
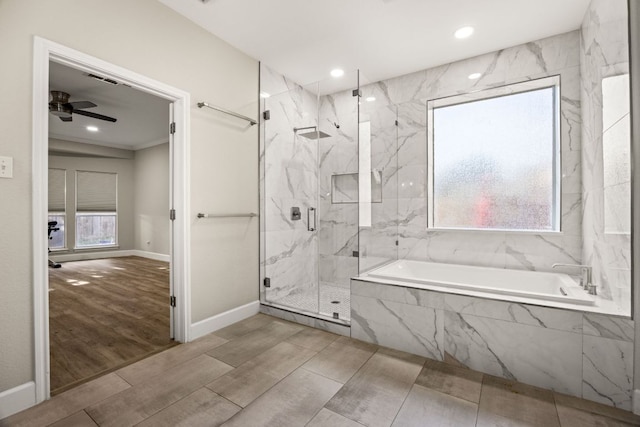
{"x":580,"y":354}
{"x":402,"y":156}
{"x":398,"y":117}
{"x":605,"y":154}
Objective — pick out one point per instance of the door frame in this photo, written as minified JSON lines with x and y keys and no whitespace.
{"x":45,"y":51}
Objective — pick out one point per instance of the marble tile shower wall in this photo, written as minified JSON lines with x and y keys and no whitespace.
{"x":581,"y":354}
{"x":289,"y":251}
{"x":400,"y":152}
{"x":604,"y":53}
{"x":338,"y":222}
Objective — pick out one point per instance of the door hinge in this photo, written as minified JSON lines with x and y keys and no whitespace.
{"x":172,"y":301}
{"x":396,"y":123}
{"x":356,"y":92}
{"x":172,"y":128}
{"x":266,"y":115}
{"x":172,"y":214}
{"x":267,"y":282}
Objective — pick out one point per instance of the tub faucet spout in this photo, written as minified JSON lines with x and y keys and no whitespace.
{"x":585,"y":270}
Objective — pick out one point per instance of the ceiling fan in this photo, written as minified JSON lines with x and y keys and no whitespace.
{"x":61,"y":107}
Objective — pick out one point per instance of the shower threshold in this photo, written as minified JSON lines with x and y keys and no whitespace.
{"x":334,"y":304}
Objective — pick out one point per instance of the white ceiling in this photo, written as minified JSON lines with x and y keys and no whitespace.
{"x":143,"y":119}
{"x":305,"y":39}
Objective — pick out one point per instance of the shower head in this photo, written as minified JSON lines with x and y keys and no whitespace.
{"x":314,"y":134}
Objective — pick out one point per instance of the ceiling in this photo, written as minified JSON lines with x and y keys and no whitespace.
{"x":306,"y":39}
{"x":142,"y":119}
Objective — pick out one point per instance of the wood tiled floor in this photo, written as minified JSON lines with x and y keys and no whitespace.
{"x":104,"y":314}
{"x":265,"y":371}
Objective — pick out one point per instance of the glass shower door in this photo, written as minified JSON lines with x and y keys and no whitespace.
{"x":310,"y":198}
{"x":291,"y":189}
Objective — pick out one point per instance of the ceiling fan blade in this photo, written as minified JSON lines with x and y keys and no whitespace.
{"x":66,"y":119}
{"x":94,"y":115}
{"x":82,"y":104}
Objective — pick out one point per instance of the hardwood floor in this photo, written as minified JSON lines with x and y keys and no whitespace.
{"x":105,"y":314}
{"x":297,"y":376}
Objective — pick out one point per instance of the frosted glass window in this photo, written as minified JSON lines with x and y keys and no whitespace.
{"x":494,"y":159}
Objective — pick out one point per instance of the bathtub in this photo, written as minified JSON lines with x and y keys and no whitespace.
{"x":483,"y":281}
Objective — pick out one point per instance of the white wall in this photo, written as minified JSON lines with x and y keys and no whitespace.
{"x":148,"y":38}
{"x":151,"y":199}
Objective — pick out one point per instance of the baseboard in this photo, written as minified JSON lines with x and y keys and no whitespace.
{"x":83,"y":256}
{"x":221,"y":320}
{"x":635,"y":401}
{"x":17,"y":399}
{"x":151,"y":255}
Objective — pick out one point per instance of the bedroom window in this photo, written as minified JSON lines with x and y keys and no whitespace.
{"x":494,"y":157}
{"x":96,"y":209}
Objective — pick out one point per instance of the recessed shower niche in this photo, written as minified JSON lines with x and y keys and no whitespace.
{"x":345,"y":187}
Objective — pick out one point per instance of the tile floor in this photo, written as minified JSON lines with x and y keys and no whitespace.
{"x":265,"y":371}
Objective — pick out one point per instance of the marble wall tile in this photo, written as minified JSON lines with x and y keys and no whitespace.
{"x":533,"y":355}
{"x":604,"y":52}
{"x":470,"y":248}
{"x":400,"y":152}
{"x":608,"y":371}
{"x":411,"y":328}
{"x":542,"y":251}
{"x":400,"y":294}
{"x":600,"y":325}
{"x":337,"y":270}
{"x":543,"y":317}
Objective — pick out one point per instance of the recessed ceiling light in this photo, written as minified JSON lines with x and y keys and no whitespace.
{"x":371,"y":98}
{"x":264,"y":95}
{"x":337,"y":72}
{"x":92,"y":128}
{"x":463,"y":33}
{"x":475,"y":76}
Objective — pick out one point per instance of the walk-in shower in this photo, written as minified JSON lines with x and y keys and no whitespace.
{"x":309,"y":234}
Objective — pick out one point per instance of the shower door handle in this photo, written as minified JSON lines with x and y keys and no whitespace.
{"x":309,"y":226}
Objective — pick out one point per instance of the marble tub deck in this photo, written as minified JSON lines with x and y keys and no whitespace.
{"x":264,"y":371}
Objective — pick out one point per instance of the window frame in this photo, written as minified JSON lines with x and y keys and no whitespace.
{"x":491,"y":93}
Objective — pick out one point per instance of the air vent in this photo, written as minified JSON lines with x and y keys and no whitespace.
{"x":103,"y":79}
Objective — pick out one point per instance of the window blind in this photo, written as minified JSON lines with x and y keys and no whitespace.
{"x":57,"y":189}
{"x":96,"y":191}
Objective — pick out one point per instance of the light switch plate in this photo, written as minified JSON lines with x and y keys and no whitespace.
{"x":6,"y":167}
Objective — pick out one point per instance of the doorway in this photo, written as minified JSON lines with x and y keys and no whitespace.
{"x":108,"y":201}
{"x":48,"y":53}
